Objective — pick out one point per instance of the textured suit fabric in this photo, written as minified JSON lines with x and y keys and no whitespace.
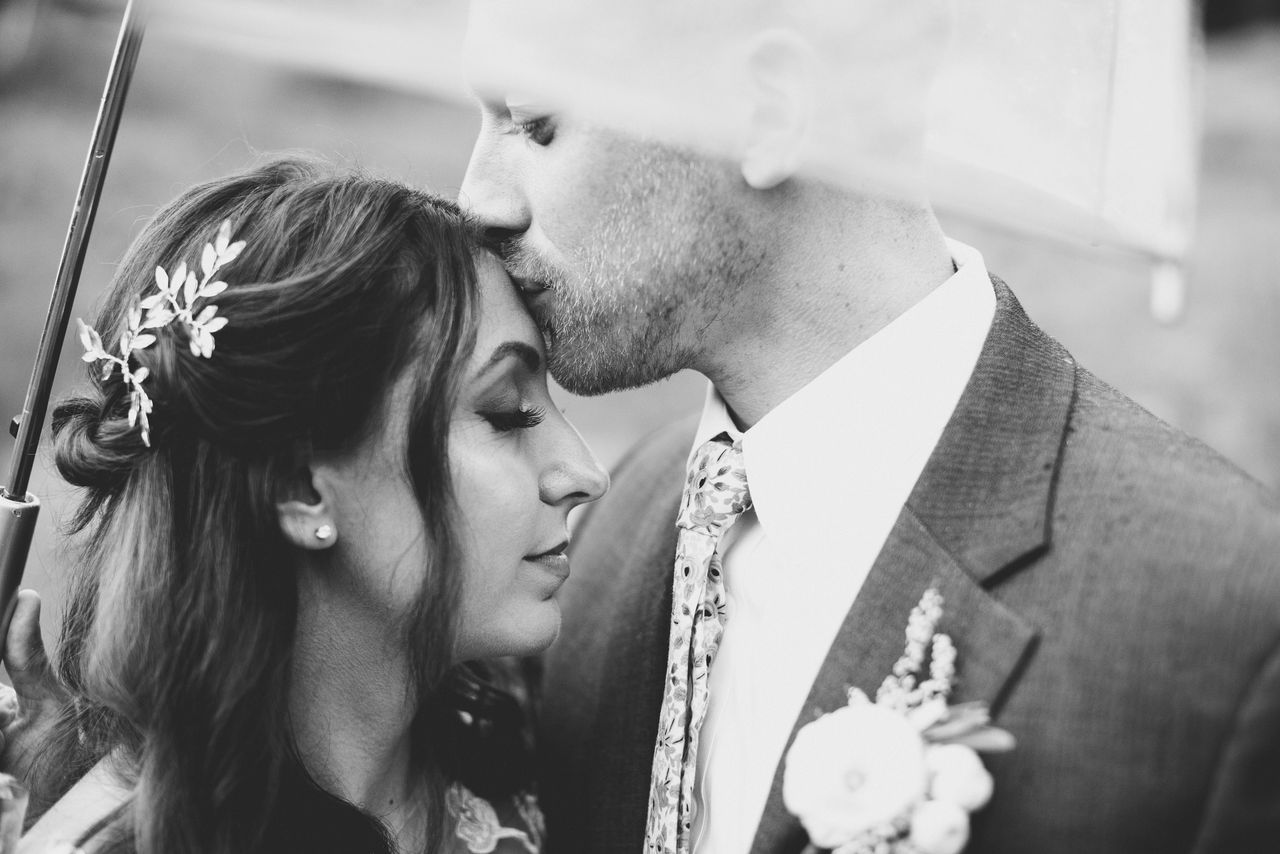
{"x":1112,"y":587}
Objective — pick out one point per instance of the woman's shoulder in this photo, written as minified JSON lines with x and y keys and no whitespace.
{"x":76,"y":814}
{"x":507,"y":825}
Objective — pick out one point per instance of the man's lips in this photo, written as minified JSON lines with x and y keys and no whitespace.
{"x":530,"y":287}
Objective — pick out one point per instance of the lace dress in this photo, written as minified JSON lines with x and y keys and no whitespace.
{"x":514,"y":827}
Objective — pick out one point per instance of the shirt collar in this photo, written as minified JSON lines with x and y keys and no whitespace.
{"x":869,"y":422}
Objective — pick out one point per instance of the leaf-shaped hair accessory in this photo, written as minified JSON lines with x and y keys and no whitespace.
{"x":175,"y":300}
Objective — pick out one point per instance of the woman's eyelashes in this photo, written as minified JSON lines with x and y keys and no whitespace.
{"x":522,"y":417}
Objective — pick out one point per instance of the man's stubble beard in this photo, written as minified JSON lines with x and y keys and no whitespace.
{"x":649,"y":284}
{"x":607,"y":333}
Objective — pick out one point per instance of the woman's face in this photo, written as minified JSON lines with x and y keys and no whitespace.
{"x":518,"y":468}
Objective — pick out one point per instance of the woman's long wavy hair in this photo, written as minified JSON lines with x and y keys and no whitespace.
{"x":178,"y":634}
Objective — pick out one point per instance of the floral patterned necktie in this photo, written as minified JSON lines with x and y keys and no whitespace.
{"x":715,"y":495}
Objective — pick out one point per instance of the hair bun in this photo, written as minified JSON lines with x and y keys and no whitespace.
{"x":91,"y":449}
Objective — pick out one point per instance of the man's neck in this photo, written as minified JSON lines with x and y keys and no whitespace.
{"x":821,"y":296}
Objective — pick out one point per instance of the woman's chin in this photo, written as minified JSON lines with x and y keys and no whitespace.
{"x":535,"y":629}
{"x":541,"y":630}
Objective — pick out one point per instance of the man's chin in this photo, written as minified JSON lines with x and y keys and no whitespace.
{"x":570,"y":375}
{"x":586,"y":372}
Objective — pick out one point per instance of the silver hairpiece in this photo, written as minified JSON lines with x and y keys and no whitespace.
{"x":163,"y":308}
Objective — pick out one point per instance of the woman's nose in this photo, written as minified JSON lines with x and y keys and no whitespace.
{"x":576,"y":477}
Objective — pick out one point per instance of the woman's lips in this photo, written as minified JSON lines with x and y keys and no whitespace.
{"x":554,"y":560}
{"x":557,"y":565}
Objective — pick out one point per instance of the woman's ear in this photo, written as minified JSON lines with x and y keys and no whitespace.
{"x":780,"y":75}
{"x":305,"y":512}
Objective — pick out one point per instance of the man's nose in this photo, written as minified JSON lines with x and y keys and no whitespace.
{"x":492,"y":193}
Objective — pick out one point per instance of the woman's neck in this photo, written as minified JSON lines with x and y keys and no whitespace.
{"x":351,"y":710}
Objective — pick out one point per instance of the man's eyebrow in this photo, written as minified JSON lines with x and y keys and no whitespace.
{"x":531,"y":358}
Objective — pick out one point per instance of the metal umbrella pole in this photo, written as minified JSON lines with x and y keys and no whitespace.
{"x":19,"y":509}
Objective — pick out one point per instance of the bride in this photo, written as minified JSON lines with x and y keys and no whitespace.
{"x":309,"y":515}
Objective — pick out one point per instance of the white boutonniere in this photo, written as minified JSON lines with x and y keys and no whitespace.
{"x":899,"y":775}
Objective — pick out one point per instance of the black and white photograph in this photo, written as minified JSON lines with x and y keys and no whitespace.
{"x":615,"y":427}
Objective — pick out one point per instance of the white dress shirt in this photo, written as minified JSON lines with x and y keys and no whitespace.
{"x":829,"y":470}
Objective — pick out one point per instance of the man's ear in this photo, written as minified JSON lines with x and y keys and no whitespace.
{"x":305,"y":512}
{"x":780,"y":69}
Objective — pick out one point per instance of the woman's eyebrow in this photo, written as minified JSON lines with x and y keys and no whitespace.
{"x":527,"y":354}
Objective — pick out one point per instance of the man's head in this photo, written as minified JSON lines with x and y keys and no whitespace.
{"x":631,"y":232}
{"x":625,"y":249}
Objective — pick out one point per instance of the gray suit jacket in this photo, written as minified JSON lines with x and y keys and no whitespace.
{"x":1112,"y":587}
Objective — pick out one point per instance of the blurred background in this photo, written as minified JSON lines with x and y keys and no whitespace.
{"x":196,"y":111}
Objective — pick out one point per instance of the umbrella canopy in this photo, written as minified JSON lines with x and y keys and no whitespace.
{"x":411,"y":45}
{"x":1076,"y":119}
{"x":1068,"y":119}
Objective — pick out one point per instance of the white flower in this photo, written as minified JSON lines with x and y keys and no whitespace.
{"x":938,"y":827}
{"x":901,"y":774}
{"x":958,"y":777}
{"x":851,"y":770}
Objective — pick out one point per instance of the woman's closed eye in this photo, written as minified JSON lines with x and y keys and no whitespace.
{"x":523,"y":417}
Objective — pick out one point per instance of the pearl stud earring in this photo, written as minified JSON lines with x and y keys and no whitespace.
{"x":324,"y":532}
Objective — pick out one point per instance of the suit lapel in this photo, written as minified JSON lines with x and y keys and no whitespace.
{"x":987,"y":491}
{"x":979,"y":511}
{"x":992,"y":641}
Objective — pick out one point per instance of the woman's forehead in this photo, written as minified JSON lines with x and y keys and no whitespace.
{"x":503,"y":315}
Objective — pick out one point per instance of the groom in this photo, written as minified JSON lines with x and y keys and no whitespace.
{"x":1112,"y":586}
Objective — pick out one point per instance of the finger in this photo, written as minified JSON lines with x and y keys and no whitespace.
{"x":24,"y":654}
{"x":8,"y":704}
{"x":9,"y":711}
{"x":64,"y":847}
